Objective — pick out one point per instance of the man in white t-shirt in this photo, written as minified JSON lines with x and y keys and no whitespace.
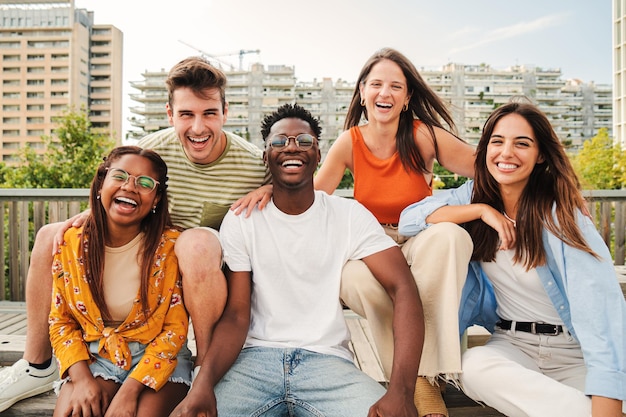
{"x":284,"y":275}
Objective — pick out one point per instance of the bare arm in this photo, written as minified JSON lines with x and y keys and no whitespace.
{"x":338,"y":158}
{"x":605,"y":407}
{"x":476,"y":211}
{"x":75,"y":221}
{"x":391,"y":270}
{"x":260,"y":196}
{"x":455,"y":155}
{"x":228,"y":339}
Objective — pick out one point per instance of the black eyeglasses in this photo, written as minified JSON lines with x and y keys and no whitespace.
{"x":303,"y":142}
{"x":143,"y":183}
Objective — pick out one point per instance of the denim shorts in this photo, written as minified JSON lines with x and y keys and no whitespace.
{"x":105,"y":369}
{"x":294,"y":382}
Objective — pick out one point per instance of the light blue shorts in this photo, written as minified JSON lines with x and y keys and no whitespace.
{"x":105,"y":369}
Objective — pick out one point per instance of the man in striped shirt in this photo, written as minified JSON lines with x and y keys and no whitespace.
{"x":209,"y":169}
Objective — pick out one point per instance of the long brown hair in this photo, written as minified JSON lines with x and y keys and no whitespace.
{"x":95,"y":228}
{"x":552,"y":183}
{"x":424,"y":105}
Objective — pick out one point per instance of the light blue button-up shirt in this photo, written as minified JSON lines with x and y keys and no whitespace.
{"x":583,"y":289}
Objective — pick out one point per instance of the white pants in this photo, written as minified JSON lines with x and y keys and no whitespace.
{"x":523,"y":374}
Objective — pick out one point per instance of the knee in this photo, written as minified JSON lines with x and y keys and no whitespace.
{"x":356,"y":278}
{"x":453,"y":235}
{"x":359,"y":287}
{"x":199,"y":255}
{"x":473,"y":364}
{"x":198,"y":245}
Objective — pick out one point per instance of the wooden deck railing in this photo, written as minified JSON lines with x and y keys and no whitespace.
{"x":24,"y":211}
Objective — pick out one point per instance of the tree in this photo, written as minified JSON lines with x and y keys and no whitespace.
{"x":600,"y":164}
{"x":72,"y":156}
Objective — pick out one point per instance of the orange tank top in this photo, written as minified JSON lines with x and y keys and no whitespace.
{"x":383,"y":186}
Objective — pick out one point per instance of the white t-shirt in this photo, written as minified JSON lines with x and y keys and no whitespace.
{"x":296,"y":263}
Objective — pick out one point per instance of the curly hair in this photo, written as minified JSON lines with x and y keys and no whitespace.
{"x":288,"y":111}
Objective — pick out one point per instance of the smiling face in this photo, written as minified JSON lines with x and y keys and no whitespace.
{"x":292,"y":167}
{"x":385,"y":91}
{"x":198,"y":122}
{"x":124,"y":205}
{"x":512,"y":152}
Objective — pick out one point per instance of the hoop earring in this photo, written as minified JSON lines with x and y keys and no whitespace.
{"x":405,"y":107}
{"x":362,"y":102}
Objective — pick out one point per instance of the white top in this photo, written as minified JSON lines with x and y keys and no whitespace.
{"x":296,"y":263}
{"x":519,"y":293}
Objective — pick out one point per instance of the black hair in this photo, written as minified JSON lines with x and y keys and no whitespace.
{"x":290,"y":111}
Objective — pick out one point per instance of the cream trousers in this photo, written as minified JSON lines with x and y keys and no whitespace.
{"x":438,"y":257}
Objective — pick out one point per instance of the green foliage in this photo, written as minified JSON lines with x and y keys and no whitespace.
{"x":444,"y":179}
{"x":600,"y":164}
{"x":70,"y":160}
{"x":347,"y":181}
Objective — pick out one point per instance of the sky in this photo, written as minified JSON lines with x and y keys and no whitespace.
{"x":334,"y":38}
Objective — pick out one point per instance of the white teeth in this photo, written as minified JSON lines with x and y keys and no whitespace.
{"x":506,"y":166}
{"x":198,"y":140}
{"x":292,"y":162}
{"x":387,"y":105}
{"x":126,"y":200}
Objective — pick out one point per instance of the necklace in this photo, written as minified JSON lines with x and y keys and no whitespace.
{"x":509,"y":219}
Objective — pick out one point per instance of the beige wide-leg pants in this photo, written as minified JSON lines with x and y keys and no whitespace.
{"x":438,"y":258}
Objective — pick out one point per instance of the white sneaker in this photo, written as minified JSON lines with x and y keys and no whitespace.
{"x":21,"y":381}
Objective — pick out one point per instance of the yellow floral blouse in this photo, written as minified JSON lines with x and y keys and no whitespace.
{"x":75,"y":320}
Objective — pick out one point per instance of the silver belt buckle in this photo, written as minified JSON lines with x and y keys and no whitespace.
{"x":533,"y":327}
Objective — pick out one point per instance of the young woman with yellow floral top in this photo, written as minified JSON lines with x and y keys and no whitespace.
{"x":118,"y":326}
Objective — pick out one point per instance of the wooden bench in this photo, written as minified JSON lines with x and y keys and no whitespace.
{"x":13,"y":321}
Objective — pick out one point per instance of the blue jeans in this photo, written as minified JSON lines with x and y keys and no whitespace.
{"x":294,"y":382}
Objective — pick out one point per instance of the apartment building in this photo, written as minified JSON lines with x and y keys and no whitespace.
{"x":576,"y":109}
{"x":53,"y":58}
{"x":619,"y":71}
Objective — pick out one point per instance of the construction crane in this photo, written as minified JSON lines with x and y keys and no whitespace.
{"x":241,"y":53}
{"x":208,"y":56}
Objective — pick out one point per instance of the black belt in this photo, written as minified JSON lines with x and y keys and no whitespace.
{"x":531,"y":327}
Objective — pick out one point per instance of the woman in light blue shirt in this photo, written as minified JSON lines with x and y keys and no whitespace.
{"x":541,"y":279}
